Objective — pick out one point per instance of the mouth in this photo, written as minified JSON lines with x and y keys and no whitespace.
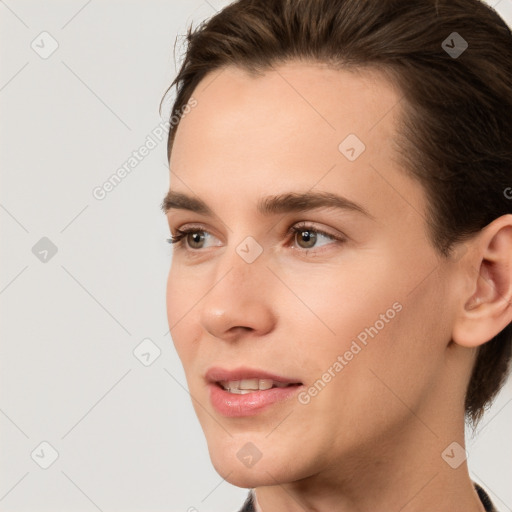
{"x":244,"y":379}
{"x":248,"y":391}
{"x":245,"y":386}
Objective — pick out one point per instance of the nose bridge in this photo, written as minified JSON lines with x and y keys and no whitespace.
{"x":237,"y":298}
{"x":247,"y":261}
{"x":240,"y":274}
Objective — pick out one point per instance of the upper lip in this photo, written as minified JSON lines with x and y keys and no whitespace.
{"x":217,"y":374}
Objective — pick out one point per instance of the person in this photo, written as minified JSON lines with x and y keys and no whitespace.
{"x":341,"y":219}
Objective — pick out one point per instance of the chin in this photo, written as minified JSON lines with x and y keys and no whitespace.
{"x":242,"y":465}
{"x":247,"y":478}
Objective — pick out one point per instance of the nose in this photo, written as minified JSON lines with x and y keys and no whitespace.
{"x":239,"y":301}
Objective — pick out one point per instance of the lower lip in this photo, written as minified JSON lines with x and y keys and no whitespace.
{"x":234,"y":405}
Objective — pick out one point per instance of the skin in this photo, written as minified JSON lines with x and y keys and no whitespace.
{"x":372,"y":439}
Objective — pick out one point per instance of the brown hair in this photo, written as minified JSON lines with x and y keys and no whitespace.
{"x":455,"y":134}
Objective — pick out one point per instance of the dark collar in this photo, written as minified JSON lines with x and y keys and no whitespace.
{"x":484,"y":498}
{"x":248,"y":505}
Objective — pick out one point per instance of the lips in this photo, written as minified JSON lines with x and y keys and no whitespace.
{"x":216,"y":375}
{"x":248,"y":391}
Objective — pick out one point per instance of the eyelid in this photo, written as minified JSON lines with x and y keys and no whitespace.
{"x":308,"y":226}
{"x":182,"y":232}
{"x":297,"y":227}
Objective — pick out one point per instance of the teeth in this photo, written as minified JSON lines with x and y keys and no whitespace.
{"x":242,"y":387}
{"x":250,"y":384}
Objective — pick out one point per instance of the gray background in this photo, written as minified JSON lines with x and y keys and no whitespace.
{"x":124,"y":428}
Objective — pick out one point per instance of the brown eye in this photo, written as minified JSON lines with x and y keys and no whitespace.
{"x":309,"y":239}
{"x":306,"y":239}
{"x":195,"y":239}
{"x":192,"y":238}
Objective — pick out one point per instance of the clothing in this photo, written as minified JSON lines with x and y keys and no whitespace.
{"x":484,"y":498}
{"x":248,"y":505}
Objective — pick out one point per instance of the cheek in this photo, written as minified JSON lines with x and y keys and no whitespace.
{"x":185,"y":288}
{"x":180,"y":301}
{"x":379,"y":323}
{"x":172,"y":294}
{"x":339,"y":302}
{"x":397,"y":369}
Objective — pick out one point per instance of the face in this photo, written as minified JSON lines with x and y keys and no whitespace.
{"x":338,"y":292}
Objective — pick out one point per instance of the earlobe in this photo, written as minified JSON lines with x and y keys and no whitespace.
{"x":488,"y":309}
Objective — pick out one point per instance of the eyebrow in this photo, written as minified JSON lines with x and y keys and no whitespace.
{"x":270,"y":205}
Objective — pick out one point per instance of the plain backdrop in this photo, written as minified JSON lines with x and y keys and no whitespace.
{"x":94,"y":410}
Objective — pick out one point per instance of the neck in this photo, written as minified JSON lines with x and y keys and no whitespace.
{"x":407,"y":473}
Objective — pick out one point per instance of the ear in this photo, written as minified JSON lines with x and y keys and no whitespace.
{"x":487,"y":308}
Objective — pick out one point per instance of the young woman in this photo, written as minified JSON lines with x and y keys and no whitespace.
{"x":340,"y":209}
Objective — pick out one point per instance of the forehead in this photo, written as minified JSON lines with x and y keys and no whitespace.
{"x":311,"y":90}
{"x":288,"y":108}
{"x":288,"y":129}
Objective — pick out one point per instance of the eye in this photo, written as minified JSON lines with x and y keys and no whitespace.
{"x":194,"y":237}
{"x":305,"y":236}
{"x":308,"y":237}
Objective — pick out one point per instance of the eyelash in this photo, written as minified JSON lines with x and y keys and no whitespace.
{"x":178,"y":239}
